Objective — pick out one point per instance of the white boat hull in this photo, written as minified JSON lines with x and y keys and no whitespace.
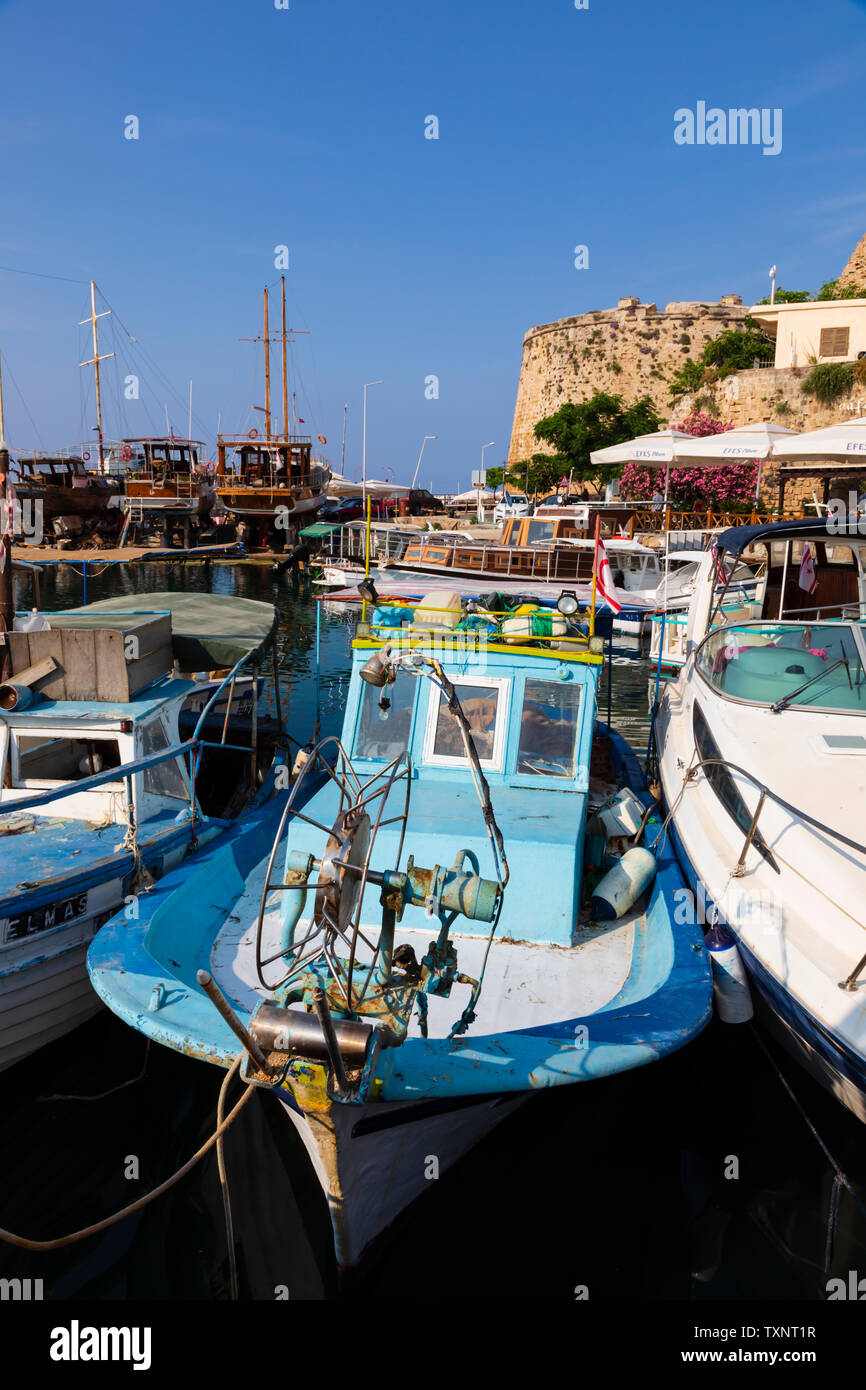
{"x":371,"y":1165}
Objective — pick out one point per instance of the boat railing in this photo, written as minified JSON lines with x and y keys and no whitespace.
{"x":767,"y":794}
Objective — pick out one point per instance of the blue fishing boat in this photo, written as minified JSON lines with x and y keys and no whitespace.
{"x":450,"y":912}
{"x":119,"y":759}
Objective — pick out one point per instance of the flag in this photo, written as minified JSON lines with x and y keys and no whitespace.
{"x":808,"y":578}
{"x":603,"y":578}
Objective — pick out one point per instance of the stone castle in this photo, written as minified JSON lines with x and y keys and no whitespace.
{"x":635,"y":349}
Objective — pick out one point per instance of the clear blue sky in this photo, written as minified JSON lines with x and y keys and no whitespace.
{"x":409,"y":257}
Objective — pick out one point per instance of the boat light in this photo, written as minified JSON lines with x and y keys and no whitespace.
{"x":367,"y":590}
{"x":567,"y":604}
{"x":126,"y":726}
{"x":596,"y":645}
{"x":378,"y":671}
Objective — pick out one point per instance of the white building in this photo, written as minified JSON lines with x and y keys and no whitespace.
{"x":827,"y":330}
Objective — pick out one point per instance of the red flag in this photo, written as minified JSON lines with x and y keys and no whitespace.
{"x":603,"y":578}
{"x":808,"y":578}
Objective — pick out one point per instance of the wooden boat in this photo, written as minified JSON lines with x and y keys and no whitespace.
{"x":112,"y":773}
{"x":270,"y":482}
{"x":62,"y":485}
{"x":761,"y":741}
{"x":398,"y":1012}
{"x":164,"y":477}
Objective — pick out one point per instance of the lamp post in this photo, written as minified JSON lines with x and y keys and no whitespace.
{"x":421,"y":455}
{"x":364,"y":446}
{"x":772,"y":284}
{"x":483,"y":479}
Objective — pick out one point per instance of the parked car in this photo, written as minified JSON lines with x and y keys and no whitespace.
{"x":512,"y":504}
{"x":421,"y":502}
{"x":340,"y":509}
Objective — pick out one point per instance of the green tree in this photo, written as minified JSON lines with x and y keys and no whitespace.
{"x":495,"y":477}
{"x":575,"y":431}
{"x":788,"y":297}
{"x":735,"y":350}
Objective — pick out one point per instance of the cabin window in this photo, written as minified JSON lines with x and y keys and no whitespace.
{"x":47,"y":760}
{"x":549,"y":728}
{"x":539,"y":532}
{"x":482,"y":702}
{"x":383,"y":733}
{"x":165,"y":779}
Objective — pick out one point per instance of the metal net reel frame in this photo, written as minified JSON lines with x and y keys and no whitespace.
{"x":330,"y":922}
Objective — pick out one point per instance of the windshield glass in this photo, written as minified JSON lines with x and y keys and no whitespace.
{"x":809,"y":664}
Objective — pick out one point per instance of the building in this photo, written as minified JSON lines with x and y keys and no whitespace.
{"x":829,"y":330}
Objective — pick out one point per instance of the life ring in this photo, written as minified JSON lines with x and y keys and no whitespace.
{"x":253,"y":434}
{"x":321,"y":438}
{"x":86,"y":456}
{"x":210,"y":468}
{"x":126,"y":453}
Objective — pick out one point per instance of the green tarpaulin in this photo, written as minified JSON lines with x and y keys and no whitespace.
{"x":320,"y":528}
{"x":208,"y":631}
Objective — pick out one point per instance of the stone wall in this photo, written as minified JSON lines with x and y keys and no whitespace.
{"x":632,"y":351}
{"x":774,"y":394}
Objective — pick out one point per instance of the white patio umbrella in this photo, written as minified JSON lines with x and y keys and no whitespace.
{"x":657,"y":450}
{"x":758,"y":441}
{"x":653,"y":450}
{"x":842,"y":443}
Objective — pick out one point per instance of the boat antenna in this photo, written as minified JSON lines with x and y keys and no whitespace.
{"x":94,"y":362}
{"x":267,"y":371}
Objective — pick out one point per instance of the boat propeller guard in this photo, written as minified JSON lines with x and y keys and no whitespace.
{"x":353,"y":989}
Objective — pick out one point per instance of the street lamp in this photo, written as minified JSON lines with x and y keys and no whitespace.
{"x":421,"y":455}
{"x":364,"y":446}
{"x":483,"y":479}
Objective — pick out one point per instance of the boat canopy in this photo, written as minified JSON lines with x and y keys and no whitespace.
{"x":208,"y":631}
{"x":812,"y":528}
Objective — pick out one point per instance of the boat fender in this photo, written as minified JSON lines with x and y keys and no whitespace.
{"x":623,"y":884}
{"x":733,"y":997}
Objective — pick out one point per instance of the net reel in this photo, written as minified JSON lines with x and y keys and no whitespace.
{"x":346,"y":973}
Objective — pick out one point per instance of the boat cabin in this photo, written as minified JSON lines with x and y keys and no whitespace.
{"x":51,"y":470}
{"x":801,"y":637}
{"x":531,"y":707}
{"x":271,"y":464}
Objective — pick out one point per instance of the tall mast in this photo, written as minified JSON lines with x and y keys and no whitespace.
{"x":267,"y":371}
{"x":285,"y":367}
{"x":2,"y":421}
{"x":94,"y":362}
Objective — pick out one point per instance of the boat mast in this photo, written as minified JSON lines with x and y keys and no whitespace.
{"x":267,"y":371}
{"x":2,"y":420}
{"x":7,"y":604}
{"x":94,"y":362}
{"x":285,"y":365}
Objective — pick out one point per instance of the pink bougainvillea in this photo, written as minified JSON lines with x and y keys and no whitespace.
{"x":694,"y":488}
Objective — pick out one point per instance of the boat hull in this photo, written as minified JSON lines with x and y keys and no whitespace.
{"x":374,"y":1161}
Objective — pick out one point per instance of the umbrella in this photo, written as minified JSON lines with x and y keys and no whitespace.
{"x":653,"y":450}
{"x":842,"y":443}
{"x":758,"y":441}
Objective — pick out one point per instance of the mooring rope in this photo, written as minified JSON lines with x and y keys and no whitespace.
{"x":24,"y":1243}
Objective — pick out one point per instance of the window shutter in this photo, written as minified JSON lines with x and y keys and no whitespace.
{"x":834,"y":342}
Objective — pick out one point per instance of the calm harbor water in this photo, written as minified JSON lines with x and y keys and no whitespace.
{"x":624,"y":1187}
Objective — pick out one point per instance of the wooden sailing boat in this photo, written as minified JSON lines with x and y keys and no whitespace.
{"x":268,"y":481}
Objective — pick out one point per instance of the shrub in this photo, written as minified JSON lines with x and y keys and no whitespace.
{"x":828,"y":381}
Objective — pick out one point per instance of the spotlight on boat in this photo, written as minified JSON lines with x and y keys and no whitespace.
{"x":596,"y":645}
{"x":567,"y":604}
{"x":377,"y":671}
{"x":367,"y":590}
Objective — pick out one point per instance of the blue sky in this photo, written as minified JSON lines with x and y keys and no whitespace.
{"x":408,"y":257}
